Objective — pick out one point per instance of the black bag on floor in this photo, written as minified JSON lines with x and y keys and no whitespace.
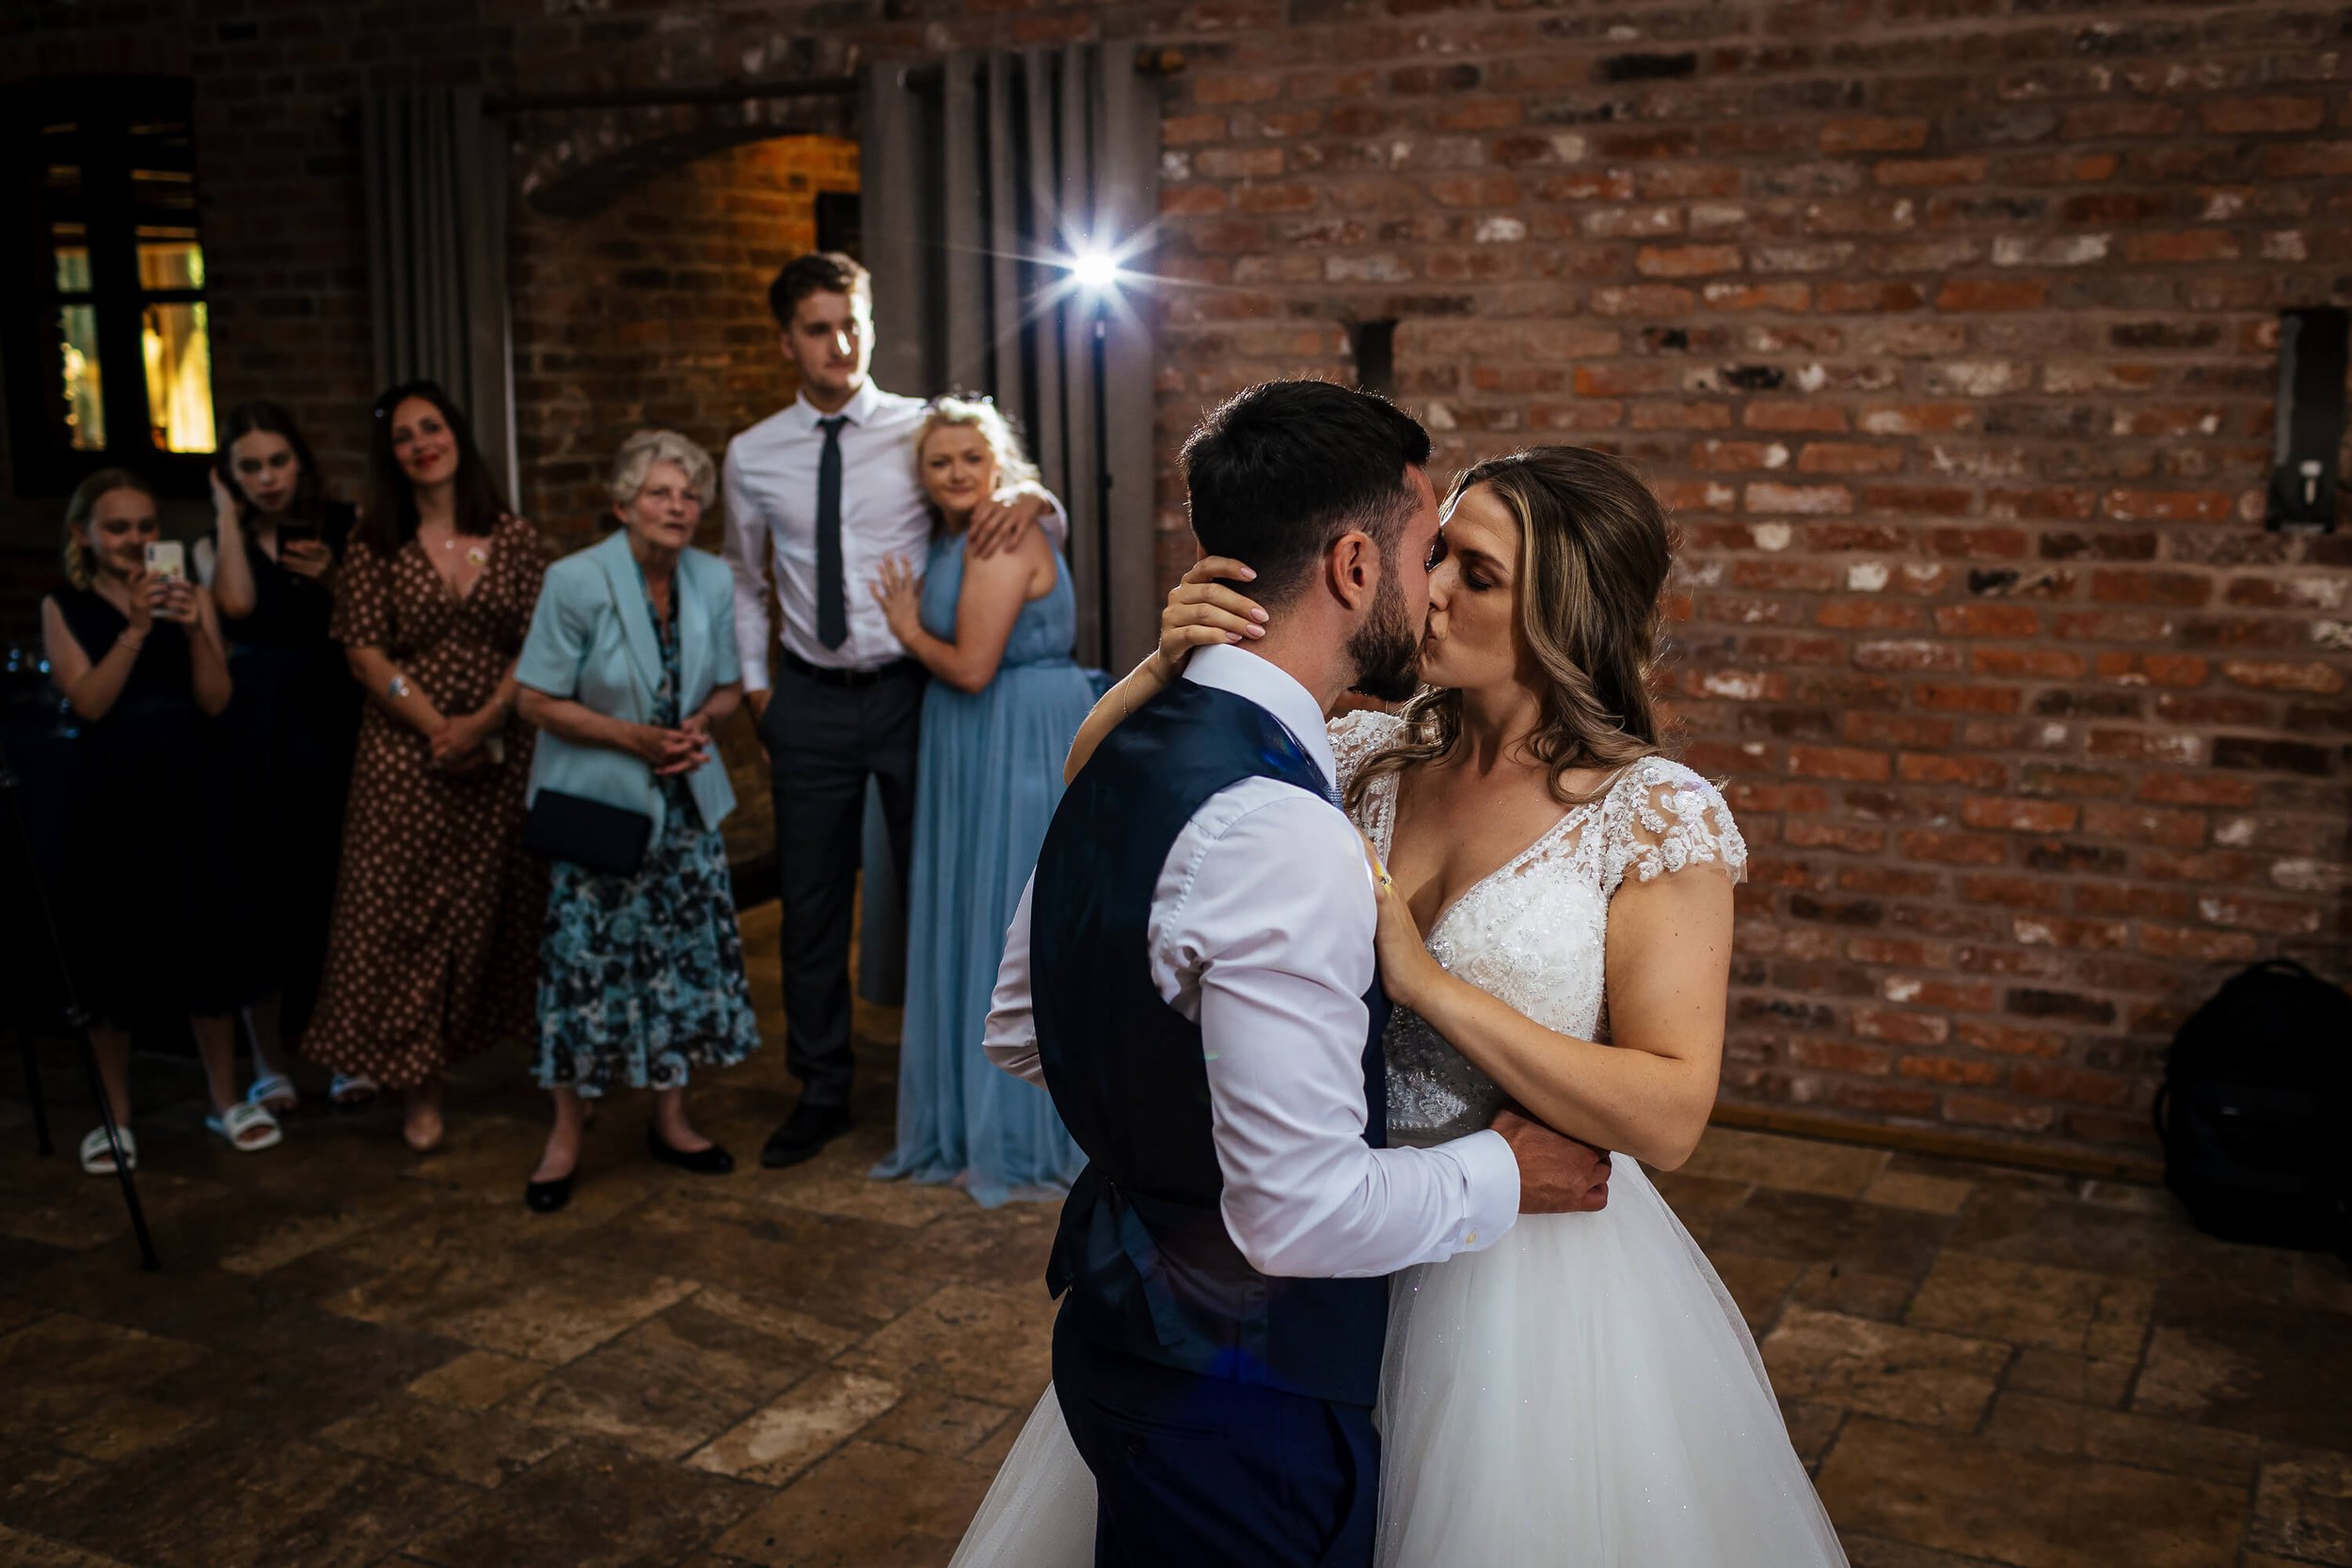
{"x":2256,"y":1111}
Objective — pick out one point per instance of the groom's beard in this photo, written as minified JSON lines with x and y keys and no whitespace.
{"x":1386,"y":649}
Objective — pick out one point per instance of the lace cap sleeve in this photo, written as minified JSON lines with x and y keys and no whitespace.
{"x":1662,"y":818}
{"x":1358,"y":736}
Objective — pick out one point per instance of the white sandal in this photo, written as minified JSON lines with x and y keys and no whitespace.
{"x":275,"y":1092}
{"x":233,"y":1125}
{"x":98,"y":1159}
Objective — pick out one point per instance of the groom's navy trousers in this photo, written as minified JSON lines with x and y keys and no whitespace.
{"x":1191,"y":1471}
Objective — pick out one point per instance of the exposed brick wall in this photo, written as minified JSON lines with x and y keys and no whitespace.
{"x":1946,"y":330}
{"x":1953,"y":347}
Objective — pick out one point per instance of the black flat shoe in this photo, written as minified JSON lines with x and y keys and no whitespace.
{"x":545,"y":1197}
{"x":808,"y":1129}
{"x":713,"y":1161}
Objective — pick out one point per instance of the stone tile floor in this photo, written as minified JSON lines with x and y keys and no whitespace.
{"x":355,"y":1356}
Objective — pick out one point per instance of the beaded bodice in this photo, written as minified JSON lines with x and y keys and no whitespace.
{"x":1533,"y":933}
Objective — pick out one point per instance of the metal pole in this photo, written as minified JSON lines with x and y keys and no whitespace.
{"x":78,"y":1020}
{"x":32,"y":1092}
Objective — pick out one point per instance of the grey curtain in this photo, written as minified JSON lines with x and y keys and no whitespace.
{"x":436,"y":179}
{"x":976,"y":176}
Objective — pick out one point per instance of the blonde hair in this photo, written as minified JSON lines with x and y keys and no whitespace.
{"x":645,"y":447}
{"x":1594,"y":547}
{"x":81,"y":561}
{"x":1012,"y":465}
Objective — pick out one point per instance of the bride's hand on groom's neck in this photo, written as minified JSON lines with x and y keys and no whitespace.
{"x":1203,"y":612}
{"x":1557,"y":1174}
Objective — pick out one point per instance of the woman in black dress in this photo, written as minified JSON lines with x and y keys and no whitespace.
{"x":277,"y":541}
{"x":138,"y":656}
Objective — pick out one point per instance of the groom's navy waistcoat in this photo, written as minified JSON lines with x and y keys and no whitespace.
{"x":1142,"y":1250}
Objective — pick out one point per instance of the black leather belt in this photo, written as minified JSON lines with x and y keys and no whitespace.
{"x":848,"y":680}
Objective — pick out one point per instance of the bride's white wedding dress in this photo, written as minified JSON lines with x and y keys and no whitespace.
{"x":1582,"y":1393}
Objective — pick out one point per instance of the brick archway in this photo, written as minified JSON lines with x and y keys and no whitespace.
{"x":647,"y":304}
{"x":577,"y":162}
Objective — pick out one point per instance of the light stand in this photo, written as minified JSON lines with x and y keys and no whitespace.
{"x":1095,"y":273}
{"x":1103,"y":474}
{"x":77,"y":1019}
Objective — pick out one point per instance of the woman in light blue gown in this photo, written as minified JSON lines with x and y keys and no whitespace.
{"x":1006,"y":700}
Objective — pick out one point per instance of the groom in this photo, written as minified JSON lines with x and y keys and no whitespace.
{"x":1191,"y":977}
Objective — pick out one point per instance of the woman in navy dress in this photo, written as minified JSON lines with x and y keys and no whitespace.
{"x":277,"y":541}
{"x":1005,"y":702}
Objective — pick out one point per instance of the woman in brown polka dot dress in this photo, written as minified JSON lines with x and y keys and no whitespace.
{"x":434,"y":953}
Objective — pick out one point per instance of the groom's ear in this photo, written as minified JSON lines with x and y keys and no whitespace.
{"x":1352,"y":569}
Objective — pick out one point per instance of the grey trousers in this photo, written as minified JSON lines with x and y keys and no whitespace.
{"x":824,"y":742}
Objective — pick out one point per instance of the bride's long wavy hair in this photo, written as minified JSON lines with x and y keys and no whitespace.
{"x":1594,"y":548}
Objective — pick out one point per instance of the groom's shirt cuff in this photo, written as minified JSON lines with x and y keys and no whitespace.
{"x":1010,"y":1040}
{"x":1492,"y":1172}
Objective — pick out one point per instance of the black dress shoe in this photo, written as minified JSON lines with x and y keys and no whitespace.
{"x":713,"y":1161}
{"x":808,"y":1129}
{"x":545,"y":1197}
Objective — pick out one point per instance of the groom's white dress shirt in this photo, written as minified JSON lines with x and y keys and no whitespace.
{"x":1262,"y":930}
{"x":771,"y":490}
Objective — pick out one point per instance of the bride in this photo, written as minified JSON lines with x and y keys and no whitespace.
{"x":1583,"y":1391}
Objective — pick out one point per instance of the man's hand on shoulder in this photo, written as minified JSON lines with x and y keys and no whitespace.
{"x":1001,"y":524}
{"x":1557,"y":1174}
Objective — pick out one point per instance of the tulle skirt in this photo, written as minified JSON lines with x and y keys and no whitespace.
{"x":1583,"y":1394}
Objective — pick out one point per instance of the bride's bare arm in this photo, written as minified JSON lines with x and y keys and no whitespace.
{"x":1200,"y":610}
{"x":1650,"y":1093}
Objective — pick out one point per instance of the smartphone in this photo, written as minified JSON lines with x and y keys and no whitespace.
{"x":292,"y":533}
{"x":167,"y":561}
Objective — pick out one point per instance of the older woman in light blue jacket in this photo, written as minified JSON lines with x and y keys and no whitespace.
{"x":631,"y":660}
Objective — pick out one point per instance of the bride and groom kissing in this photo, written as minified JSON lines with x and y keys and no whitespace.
{"x":1343,"y":1012}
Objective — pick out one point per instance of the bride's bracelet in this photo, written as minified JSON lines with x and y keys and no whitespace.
{"x":1150,"y":662}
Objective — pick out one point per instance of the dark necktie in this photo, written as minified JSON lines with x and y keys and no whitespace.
{"x":832,"y":602}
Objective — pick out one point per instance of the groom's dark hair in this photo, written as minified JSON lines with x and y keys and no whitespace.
{"x":1277,"y":474}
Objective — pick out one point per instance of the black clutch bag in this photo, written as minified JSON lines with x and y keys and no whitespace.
{"x":587,"y":833}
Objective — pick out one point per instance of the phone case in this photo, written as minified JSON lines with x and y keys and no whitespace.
{"x":167,"y":558}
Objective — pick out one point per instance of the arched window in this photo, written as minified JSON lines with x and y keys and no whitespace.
{"x":107,"y":337}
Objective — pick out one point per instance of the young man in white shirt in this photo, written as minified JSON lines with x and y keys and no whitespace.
{"x":820,"y":494}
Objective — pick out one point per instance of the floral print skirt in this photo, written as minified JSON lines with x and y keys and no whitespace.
{"x":641,"y":977}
